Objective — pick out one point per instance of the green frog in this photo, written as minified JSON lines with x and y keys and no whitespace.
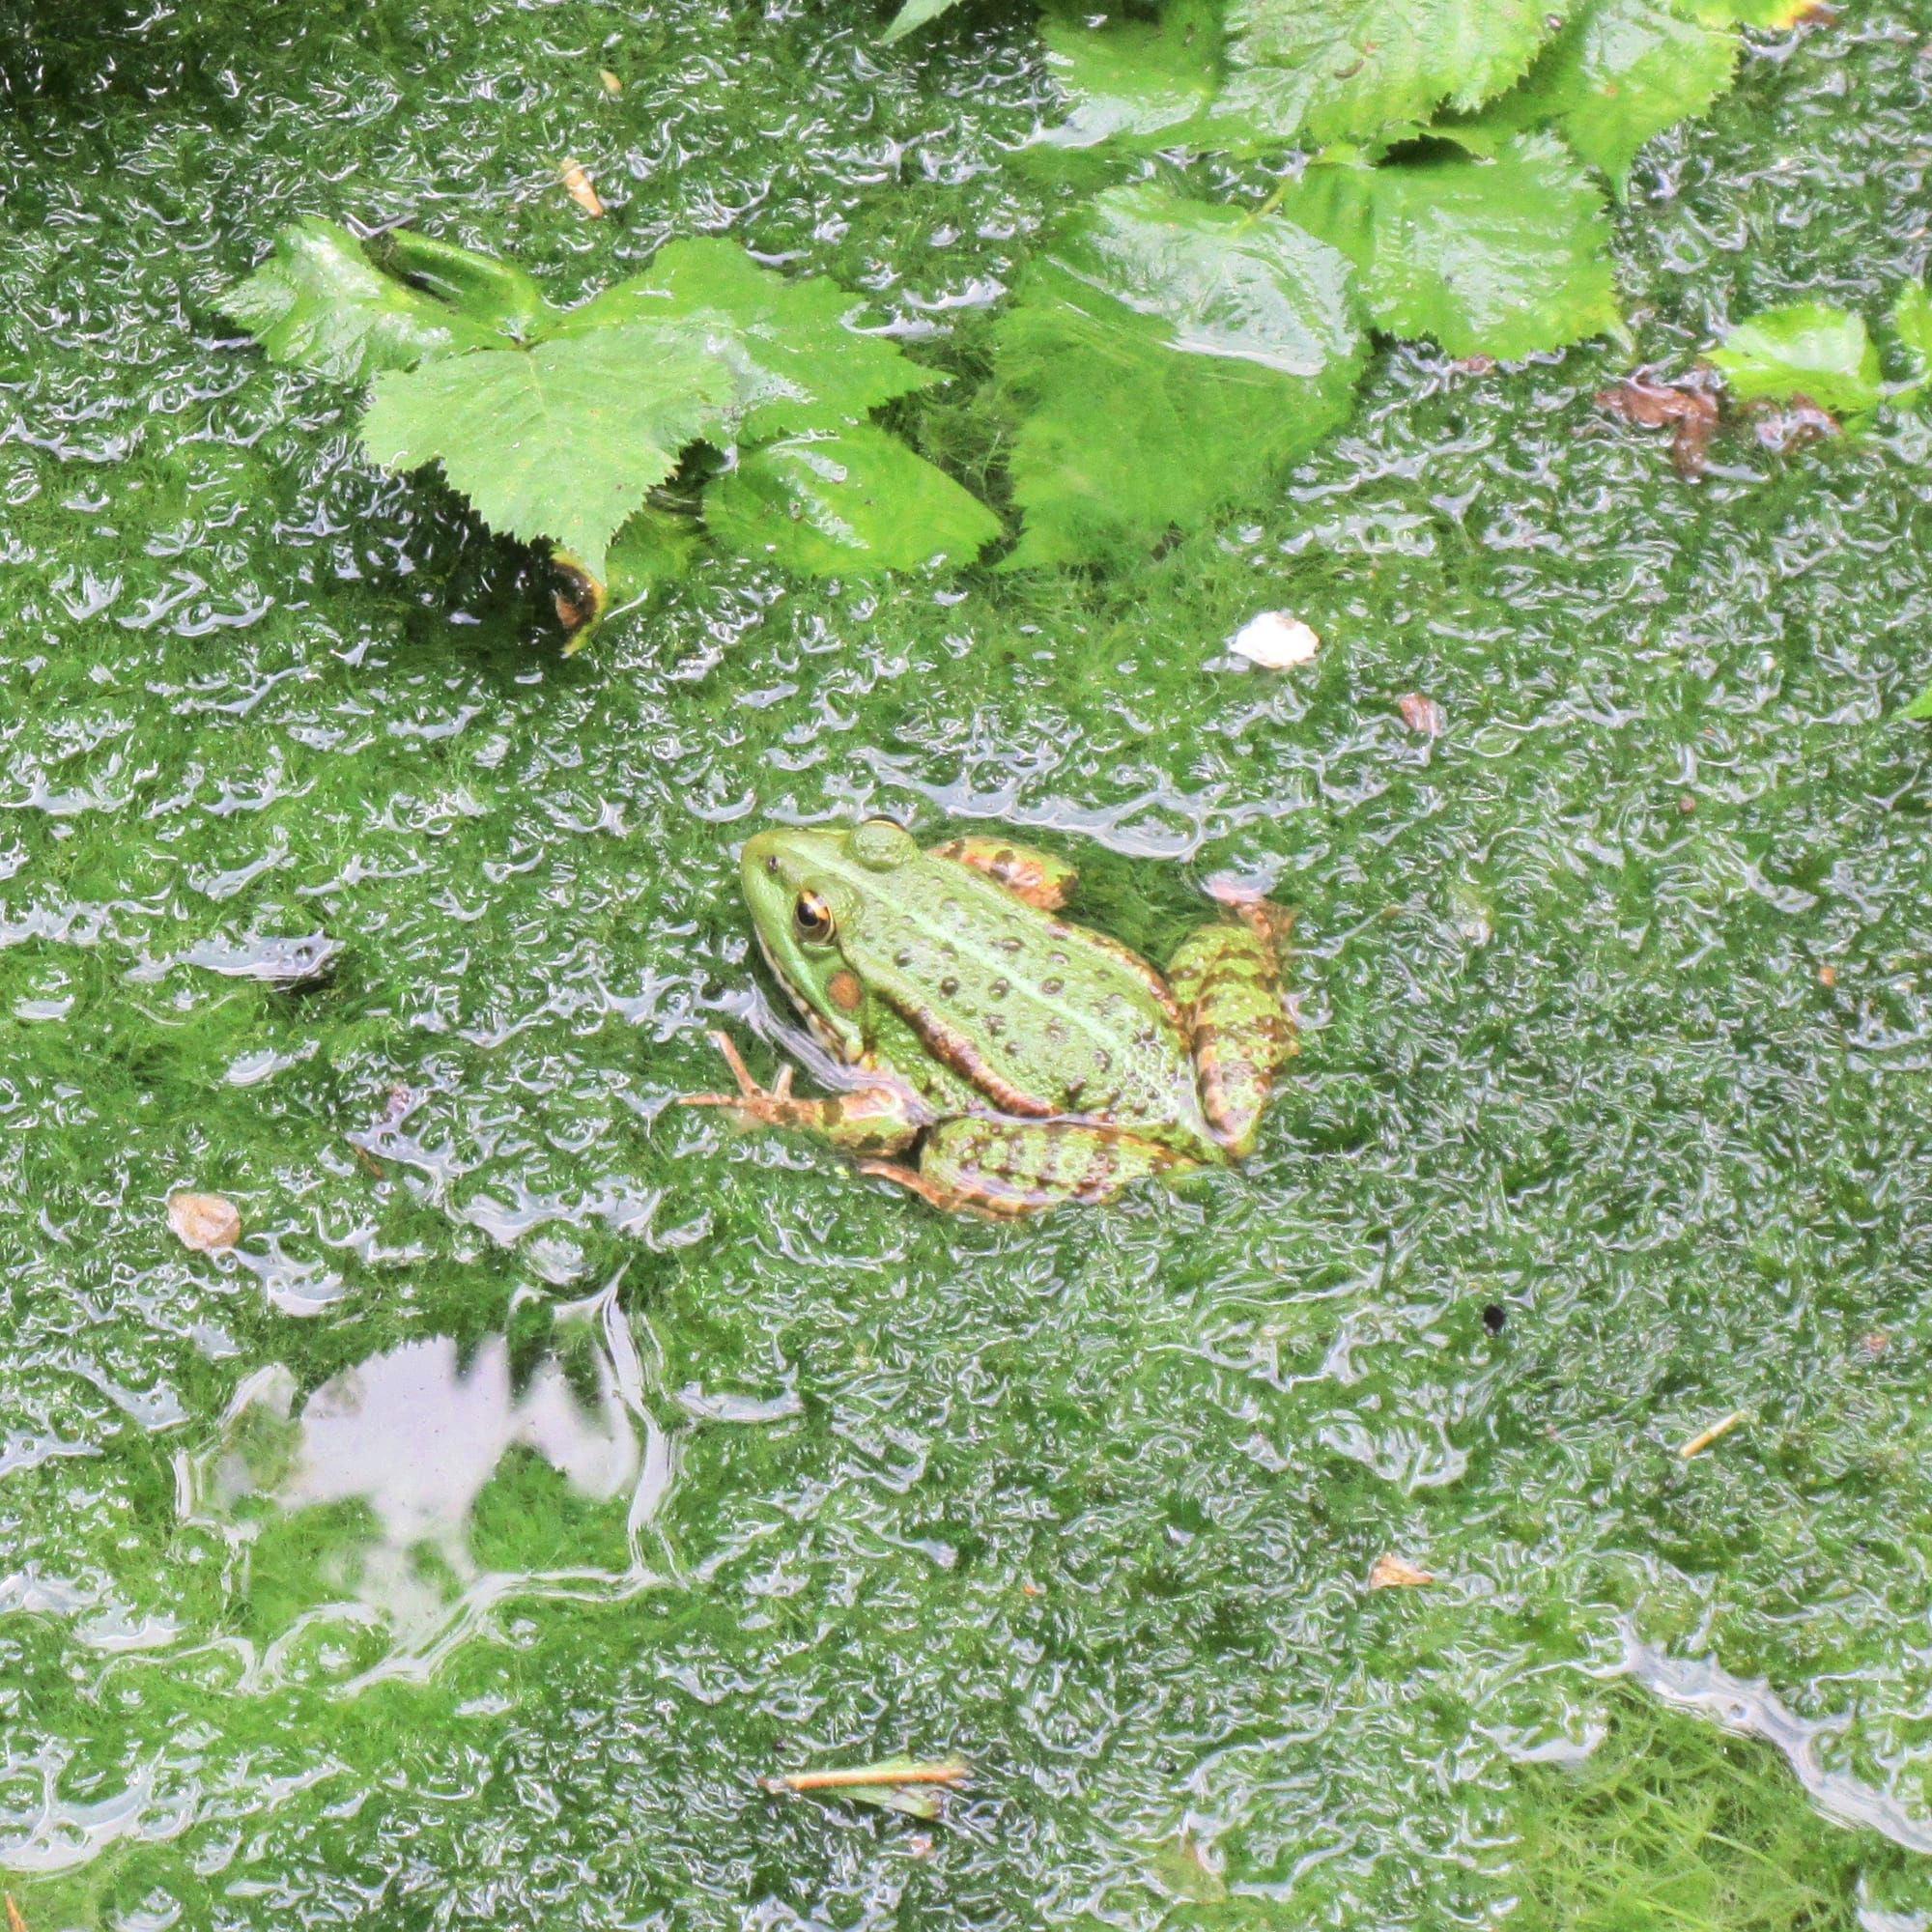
{"x":1003,"y":1059}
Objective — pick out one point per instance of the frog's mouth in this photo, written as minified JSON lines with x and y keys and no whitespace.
{"x":842,"y":1050}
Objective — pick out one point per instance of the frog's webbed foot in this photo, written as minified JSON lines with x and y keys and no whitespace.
{"x":1039,"y":878}
{"x":868,"y":1120}
{"x":1228,"y":979}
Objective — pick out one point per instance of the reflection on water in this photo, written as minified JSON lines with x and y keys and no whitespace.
{"x":400,"y":1448}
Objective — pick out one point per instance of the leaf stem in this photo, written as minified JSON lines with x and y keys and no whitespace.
{"x":897,"y":1771}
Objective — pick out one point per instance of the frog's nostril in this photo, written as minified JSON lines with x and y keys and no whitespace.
{"x":771,"y":864}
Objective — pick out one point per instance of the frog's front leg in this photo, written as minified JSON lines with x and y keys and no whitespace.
{"x":1004,"y":1168}
{"x":867,"y":1121}
{"x":1228,"y":979}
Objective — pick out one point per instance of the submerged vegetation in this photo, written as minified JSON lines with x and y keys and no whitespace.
{"x":445,"y":1482}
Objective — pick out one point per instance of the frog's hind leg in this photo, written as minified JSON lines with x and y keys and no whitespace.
{"x":1007,"y":1168}
{"x":1039,"y":878}
{"x":1228,"y":980}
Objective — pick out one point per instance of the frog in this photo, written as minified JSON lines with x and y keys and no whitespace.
{"x":1003,"y":1059}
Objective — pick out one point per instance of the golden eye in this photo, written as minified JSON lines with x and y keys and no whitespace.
{"x":813,"y":917}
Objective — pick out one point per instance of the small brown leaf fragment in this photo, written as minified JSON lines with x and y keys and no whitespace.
{"x":1473,"y":365}
{"x":1398,"y":1573}
{"x":14,"y":1923}
{"x":1790,"y":425}
{"x":610,"y":82}
{"x":1687,"y":801}
{"x":1689,"y":405}
{"x":1421,"y":714}
{"x":203,"y":1222}
{"x":581,"y":188}
{"x":1827,"y":974}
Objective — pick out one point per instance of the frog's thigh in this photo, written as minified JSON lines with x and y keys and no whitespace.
{"x":1037,"y":877}
{"x":1001,"y":1167}
{"x":1228,"y":980}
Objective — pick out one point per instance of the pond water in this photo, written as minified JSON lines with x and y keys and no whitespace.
{"x":548,"y":1462}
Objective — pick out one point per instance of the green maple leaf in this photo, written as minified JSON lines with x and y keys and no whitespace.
{"x":796,"y":359}
{"x":320,"y":303}
{"x":1172,"y":355}
{"x":1352,"y":69}
{"x":560,"y":441}
{"x":856,"y":501}
{"x":1130,"y":78}
{"x":1809,"y":350}
{"x":1497,"y":257}
{"x":1620,"y":72}
{"x":914,"y":14}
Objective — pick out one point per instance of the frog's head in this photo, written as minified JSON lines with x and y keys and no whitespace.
{"x":808,"y":888}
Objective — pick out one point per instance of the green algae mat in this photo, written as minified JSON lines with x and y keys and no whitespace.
{"x":545,"y":1466}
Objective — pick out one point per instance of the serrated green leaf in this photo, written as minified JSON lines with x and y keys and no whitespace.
{"x":1621,"y":71}
{"x":914,"y":14}
{"x":1174,"y":354}
{"x":319,"y":303}
{"x":1499,"y":258}
{"x":1911,"y":322}
{"x":1130,"y":78}
{"x":857,"y":500}
{"x":556,"y":443}
{"x":1803,"y":350}
{"x":1920,"y":706}
{"x":1348,"y":69}
{"x":1774,"y":15}
{"x":487,"y":289}
{"x":796,"y":359}
{"x":653,"y":547}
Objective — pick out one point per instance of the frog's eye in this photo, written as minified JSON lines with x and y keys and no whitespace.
{"x":813,"y":917}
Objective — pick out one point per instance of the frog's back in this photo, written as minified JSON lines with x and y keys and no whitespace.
{"x":1042,"y":1017}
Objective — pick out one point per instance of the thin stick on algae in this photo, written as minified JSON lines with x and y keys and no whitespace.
{"x":895,"y":1771}
{"x":14,"y":1923}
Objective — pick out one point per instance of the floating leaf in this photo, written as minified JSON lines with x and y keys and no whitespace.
{"x":560,"y":441}
{"x":1824,"y":354}
{"x":796,"y":359}
{"x":1129,"y":78}
{"x":1911,"y":322}
{"x":1349,"y":70}
{"x":483,"y":287}
{"x":1174,"y":353}
{"x":1621,"y":71}
{"x":320,"y":303}
{"x":1499,"y":258}
{"x":854,"y":501}
{"x":914,"y":14}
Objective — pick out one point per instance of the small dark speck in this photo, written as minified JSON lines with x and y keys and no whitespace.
{"x":1493,"y":1317}
{"x":949,"y":985}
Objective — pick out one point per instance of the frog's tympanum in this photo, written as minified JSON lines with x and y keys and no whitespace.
{"x":1010,"y":1060}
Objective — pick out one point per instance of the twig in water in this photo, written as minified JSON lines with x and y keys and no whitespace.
{"x":1703,"y":1440}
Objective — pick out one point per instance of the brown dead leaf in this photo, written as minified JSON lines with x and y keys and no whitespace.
{"x":581,"y":188}
{"x":1827,"y":974}
{"x":610,"y":82}
{"x":1689,"y":404}
{"x":204,"y":1222}
{"x":14,"y":1923}
{"x":1789,"y":426}
{"x":1398,"y":1573}
{"x":1421,"y":714}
